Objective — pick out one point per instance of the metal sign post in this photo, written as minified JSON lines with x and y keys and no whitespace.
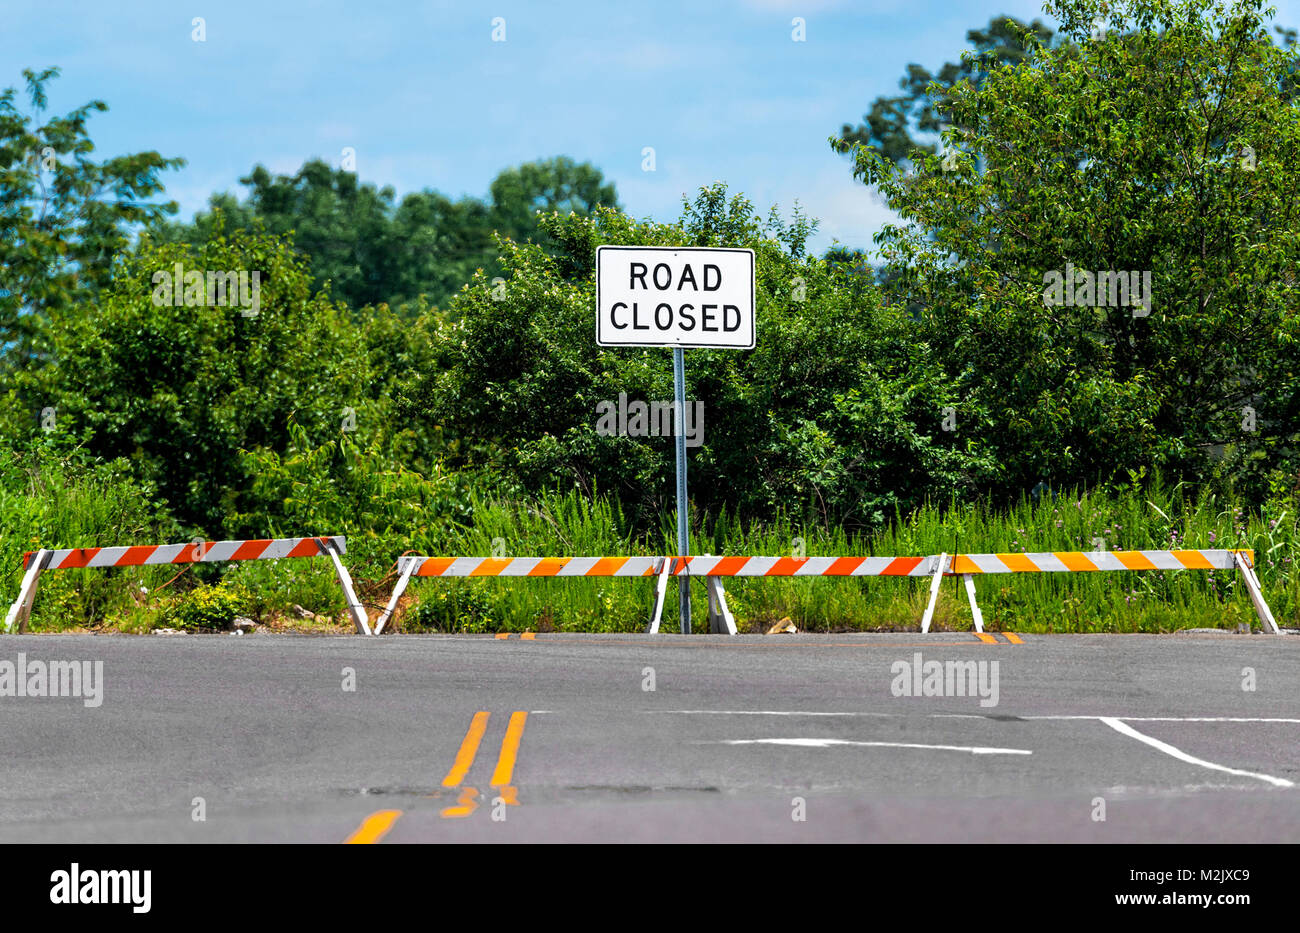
{"x":659,"y":296}
{"x":683,"y":525}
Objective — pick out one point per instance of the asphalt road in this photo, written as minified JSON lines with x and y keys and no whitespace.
{"x":560,"y":738}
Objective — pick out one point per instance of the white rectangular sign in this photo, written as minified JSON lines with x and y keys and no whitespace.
{"x":652,"y":296}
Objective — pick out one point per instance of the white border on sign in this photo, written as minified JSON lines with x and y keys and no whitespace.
{"x":683,"y":249}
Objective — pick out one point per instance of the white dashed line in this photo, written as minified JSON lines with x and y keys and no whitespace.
{"x":825,"y":743}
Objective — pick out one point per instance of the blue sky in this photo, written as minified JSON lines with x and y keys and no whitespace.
{"x":427,"y":99}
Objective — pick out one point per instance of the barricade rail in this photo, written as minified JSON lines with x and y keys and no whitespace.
{"x":194,"y":552}
{"x":712,"y":568}
{"x":934,"y":566}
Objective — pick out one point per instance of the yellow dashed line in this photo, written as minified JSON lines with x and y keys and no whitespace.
{"x":528,"y":636}
{"x":986,"y":638}
{"x":374,"y":827}
{"x":501,"y":635}
{"x":1013,"y":638}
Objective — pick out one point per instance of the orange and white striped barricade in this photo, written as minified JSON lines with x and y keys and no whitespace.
{"x":713,"y":569}
{"x":934,"y":566}
{"x":721,"y":620}
{"x":412,"y":566}
{"x":195,"y":552}
{"x":968,"y":565}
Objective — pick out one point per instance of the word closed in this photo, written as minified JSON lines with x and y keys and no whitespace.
{"x":674,"y":297}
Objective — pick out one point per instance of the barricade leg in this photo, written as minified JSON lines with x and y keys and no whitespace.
{"x":721,"y":621}
{"x":974,"y":606}
{"x":355,"y":609}
{"x":21,"y":610}
{"x":408,"y":568}
{"x":661,"y":587}
{"x":940,"y":567}
{"x":1256,"y":594}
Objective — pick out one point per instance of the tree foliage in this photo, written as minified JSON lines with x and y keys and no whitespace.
{"x":371,"y":248}
{"x":180,"y":390}
{"x":834,"y":411}
{"x":888,"y":126}
{"x":64,"y":217}
{"x":1169,"y":144}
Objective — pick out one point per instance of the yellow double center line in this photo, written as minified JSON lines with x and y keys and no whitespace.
{"x":374,"y":827}
{"x":990,"y":639}
{"x":501,"y":776}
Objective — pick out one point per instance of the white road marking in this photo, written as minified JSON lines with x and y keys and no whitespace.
{"x":799,"y":712}
{"x":1118,"y":723}
{"x":825,"y":743}
{"x":759,"y":712}
{"x":1132,"y":719}
{"x":1204,"y":719}
{"x":1125,"y":729}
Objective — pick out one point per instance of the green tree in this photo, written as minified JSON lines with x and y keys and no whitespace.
{"x":179,"y":390}
{"x":372,"y":249}
{"x":837,"y":410}
{"x":1166,"y":145}
{"x":888,"y":126}
{"x":64,"y":218}
{"x":341,"y":224}
{"x":546,"y":186}
{"x":896,"y":126}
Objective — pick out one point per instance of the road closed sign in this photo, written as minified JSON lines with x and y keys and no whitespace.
{"x":649,"y":296}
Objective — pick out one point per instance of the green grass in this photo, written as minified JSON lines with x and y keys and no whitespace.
{"x":1152,"y":517}
{"x":55,"y":499}
{"x":59,"y":502}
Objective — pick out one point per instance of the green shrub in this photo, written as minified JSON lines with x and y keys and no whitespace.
{"x":468,"y":606}
{"x":207,"y":608}
{"x":838,"y":406}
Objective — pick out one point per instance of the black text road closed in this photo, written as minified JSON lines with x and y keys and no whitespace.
{"x":650,"y":296}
